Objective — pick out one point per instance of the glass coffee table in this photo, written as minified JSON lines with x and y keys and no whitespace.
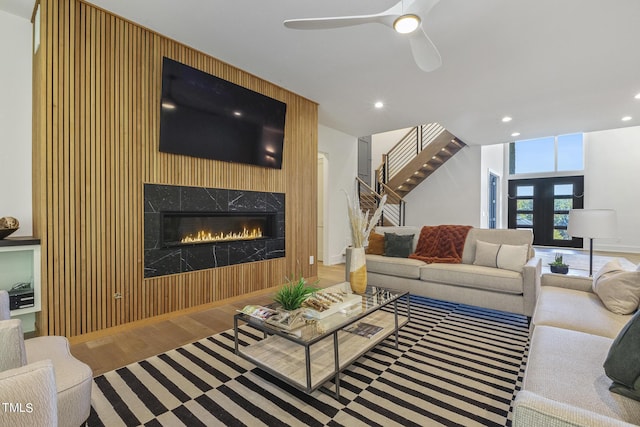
{"x":319,"y":351}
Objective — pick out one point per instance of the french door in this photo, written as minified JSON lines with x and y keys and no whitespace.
{"x":542,"y":204}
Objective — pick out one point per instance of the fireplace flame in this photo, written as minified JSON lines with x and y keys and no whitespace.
{"x":207,"y":236}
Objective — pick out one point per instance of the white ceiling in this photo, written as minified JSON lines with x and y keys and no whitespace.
{"x":555,"y":66}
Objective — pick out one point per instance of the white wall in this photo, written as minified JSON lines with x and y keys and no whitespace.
{"x":492,"y":160}
{"x":451,"y":195}
{"x":15,"y":121}
{"x":381,"y":143}
{"x":341,"y":153}
{"x":612,"y":174}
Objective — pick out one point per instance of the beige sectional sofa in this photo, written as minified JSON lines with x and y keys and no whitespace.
{"x":489,"y":287}
{"x":565,"y":383}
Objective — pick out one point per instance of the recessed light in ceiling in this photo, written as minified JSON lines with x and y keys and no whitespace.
{"x":379,"y":105}
{"x":515,"y":134}
{"x":168,"y":105}
{"x":506,"y":119}
{"x":637,"y":96}
{"x":626,"y":118}
{"x":406,"y":24}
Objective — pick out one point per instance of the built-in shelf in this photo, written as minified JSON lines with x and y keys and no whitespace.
{"x":19,"y":263}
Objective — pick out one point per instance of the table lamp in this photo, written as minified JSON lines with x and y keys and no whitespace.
{"x":592,"y":224}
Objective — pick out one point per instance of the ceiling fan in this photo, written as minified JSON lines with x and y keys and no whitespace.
{"x":406,"y":17}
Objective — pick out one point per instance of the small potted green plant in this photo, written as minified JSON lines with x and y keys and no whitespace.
{"x":291,"y":295}
{"x":290,"y":298}
{"x":558,"y":266}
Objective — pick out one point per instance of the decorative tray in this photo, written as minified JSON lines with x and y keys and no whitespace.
{"x":330,"y":300}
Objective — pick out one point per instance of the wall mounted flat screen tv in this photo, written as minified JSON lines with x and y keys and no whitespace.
{"x":205,"y":116}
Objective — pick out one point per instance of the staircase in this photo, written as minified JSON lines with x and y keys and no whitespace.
{"x":393,"y":211}
{"x":416,"y":156}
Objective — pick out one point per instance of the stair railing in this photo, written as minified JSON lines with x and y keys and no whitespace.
{"x":393,"y":212}
{"x":396,"y":206}
{"x":409,"y":146}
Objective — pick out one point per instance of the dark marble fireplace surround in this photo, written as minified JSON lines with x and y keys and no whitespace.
{"x":160,"y":261}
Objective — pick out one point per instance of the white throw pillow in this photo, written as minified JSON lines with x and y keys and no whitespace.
{"x":486,"y":254}
{"x":619,"y":290}
{"x":610,"y":267}
{"x":512,"y":257}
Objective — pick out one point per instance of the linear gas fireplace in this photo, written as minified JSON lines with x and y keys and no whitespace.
{"x":194,"y":228}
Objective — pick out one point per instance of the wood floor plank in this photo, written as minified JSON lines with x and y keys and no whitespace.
{"x":116,"y":347}
{"x":110,"y":349}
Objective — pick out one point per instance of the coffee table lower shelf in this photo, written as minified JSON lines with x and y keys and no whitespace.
{"x":309,"y":366}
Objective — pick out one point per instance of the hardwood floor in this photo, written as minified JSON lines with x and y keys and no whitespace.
{"x":115,"y":347}
{"x":632,"y":257}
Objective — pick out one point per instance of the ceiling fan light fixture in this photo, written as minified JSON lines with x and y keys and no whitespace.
{"x":406,"y":24}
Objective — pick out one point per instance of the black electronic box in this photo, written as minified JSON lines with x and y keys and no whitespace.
{"x":21,"y":297}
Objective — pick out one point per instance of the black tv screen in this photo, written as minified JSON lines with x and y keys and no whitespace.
{"x":205,"y":116}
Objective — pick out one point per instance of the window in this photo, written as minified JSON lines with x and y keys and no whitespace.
{"x":547,"y":155}
{"x":569,"y":153}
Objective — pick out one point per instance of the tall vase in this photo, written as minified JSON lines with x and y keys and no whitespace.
{"x":357,"y":268}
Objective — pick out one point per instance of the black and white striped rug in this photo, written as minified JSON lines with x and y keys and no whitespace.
{"x":456,"y":365}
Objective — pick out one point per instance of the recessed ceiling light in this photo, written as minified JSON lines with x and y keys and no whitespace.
{"x":406,"y":24}
{"x":637,"y":96}
{"x":237,"y":113}
{"x":168,"y":105}
{"x":506,"y":119}
{"x":626,"y":118}
{"x":378,"y":104}
{"x":515,"y":134}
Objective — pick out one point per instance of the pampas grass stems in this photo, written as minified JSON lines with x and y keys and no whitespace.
{"x":361,"y":224}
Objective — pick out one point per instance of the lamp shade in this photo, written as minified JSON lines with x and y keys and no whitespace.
{"x":592,"y":223}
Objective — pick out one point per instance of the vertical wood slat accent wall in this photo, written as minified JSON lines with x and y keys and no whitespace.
{"x":97,"y":82}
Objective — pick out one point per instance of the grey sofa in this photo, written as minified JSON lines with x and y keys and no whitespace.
{"x":565,"y":383}
{"x":466,"y":283}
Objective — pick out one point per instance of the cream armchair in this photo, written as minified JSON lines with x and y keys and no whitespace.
{"x":5,"y":313}
{"x":28,"y":396}
{"x":72,"y":377}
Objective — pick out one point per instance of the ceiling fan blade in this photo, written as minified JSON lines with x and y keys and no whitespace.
{"x":421,"y":7}
{"x":424,"y":51}
{"x":386,"y":17}
{"x":332,"y":22}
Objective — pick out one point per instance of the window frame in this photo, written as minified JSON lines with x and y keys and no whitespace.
{"x":550,"y":174}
